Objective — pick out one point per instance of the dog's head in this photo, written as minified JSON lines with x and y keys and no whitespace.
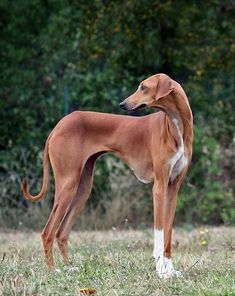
{"x":149,"y":93}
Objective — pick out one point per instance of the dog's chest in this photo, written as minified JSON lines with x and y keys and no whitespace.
{"x":177,"y":164}
{"x":143,"y":171}
{"x":179,"y":161}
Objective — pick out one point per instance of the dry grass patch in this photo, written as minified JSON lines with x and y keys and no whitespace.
{"x":119,"y":263}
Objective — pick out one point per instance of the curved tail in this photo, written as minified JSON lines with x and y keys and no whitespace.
{"x":46,"y":173}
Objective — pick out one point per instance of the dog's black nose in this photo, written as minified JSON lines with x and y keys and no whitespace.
{"x":123,"y":105}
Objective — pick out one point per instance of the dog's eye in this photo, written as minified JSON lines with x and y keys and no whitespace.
{"x":142,"y":87}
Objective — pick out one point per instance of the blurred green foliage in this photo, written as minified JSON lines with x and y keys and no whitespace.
{"x":94,"y":53}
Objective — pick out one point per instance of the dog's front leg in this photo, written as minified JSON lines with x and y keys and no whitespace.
{"x":169,"y":215}
{"x":162,"y":229}
{"x":159,"y":197}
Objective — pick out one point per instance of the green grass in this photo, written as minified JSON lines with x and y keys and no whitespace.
{"x":119,"y":263}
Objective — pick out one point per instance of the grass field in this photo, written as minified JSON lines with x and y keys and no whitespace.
{"x":119,"y":263}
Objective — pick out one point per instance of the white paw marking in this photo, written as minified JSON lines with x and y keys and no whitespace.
{"x":158,"y":243}
{"x":164,"y":266}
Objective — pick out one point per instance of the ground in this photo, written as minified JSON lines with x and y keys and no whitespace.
{"x":120,"y":263}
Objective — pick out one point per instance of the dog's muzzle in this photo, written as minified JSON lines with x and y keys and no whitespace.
{"x":124,"y":106}
{"x":142,"y":106}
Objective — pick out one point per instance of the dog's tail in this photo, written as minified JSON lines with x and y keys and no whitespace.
{"x":46,"y":174}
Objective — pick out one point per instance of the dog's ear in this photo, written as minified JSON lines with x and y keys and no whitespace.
{"x":164,"y":86}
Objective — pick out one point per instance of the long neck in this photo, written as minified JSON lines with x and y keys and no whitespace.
{"x":178,"y":114}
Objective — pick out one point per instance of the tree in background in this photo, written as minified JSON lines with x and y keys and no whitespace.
{"x":93,"y":54}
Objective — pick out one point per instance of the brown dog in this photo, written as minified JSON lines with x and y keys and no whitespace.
{"x":157,"y":147}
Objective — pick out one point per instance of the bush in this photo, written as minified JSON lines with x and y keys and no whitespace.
{"x":89,"y":56}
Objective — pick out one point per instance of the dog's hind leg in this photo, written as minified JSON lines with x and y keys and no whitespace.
{"x":76,"y":206}
{"x":65,"y":191}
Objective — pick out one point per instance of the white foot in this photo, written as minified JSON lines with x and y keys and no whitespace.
{"x":165,"y":269}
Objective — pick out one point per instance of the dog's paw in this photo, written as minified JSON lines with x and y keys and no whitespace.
{"x":165,"y":269}
{"x":170,"y":274}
